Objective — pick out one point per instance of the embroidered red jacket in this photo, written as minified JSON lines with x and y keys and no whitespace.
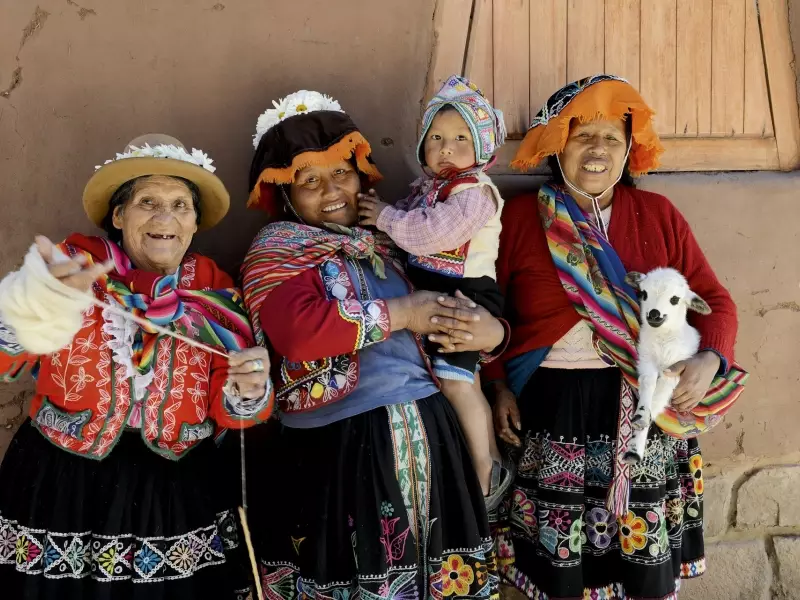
{"x":83,"y":402}
{"x":316,"y":324}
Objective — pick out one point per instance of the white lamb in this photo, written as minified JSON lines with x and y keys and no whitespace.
{"x":665,"y":339}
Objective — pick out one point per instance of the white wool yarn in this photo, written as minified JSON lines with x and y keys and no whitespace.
{"x":44,"y":313}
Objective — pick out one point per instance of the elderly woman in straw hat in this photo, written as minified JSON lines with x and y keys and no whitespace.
{"x":113,"y":488}
{"x":582,"y":522}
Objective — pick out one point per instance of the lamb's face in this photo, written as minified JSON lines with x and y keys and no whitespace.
{"x":664,"y":297}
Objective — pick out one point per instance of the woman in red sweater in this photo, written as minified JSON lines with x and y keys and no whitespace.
{"x":581,"y":522}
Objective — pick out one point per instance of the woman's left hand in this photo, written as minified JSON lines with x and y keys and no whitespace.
{"x":481,"y":334}
{"x":696,"y":375}
{"x":249,"y":370}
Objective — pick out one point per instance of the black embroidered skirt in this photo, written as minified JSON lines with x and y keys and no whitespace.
{"x":384,"y":504}
{"x":132,"y":526}
{"x":555,"y":538}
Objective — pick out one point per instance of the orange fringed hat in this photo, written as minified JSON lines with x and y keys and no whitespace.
{"x":303,"y":129}
{"x":596,"y":97}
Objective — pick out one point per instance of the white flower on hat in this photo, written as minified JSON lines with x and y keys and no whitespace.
{"x":299,"y":103}
{"x":197,"y":157}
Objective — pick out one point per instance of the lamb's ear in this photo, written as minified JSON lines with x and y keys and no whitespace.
{"x":698,"y":305}
{"x":633,"y":279}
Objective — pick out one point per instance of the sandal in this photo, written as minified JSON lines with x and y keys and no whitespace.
{"x":501,"y":479}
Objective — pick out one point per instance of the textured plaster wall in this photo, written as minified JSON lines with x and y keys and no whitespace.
{"x":79,"y":80}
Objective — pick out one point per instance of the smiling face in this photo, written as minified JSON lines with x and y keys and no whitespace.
{"x":594,"y":155}
{"x":327,"y":194}
{"x":157,"y":223}
{"x":448,"y":142}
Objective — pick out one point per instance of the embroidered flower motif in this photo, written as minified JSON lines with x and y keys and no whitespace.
{"x":632,"y":533}
{"x":8,"y":543}
{"x":80,"y":379}
{"x":576,"y":536}
{"x":199,"y":358}
{"x":51,"y":555}
{"x":675,"y":511}
{"x":559,"y":519}
{"x":387,"y":510}
{"x":696,"y":468}
{"x":523,"y":510}
{"x":147,"y":560}
{"x":86,"y":344}
{"x":27,"y":550}
{"x":182,"y":557}
{"x":77,"y":555}
{"x":108,"y":559}
{"x":600,"y":527}
{"x":395,"y":545}
{"x":481,"y":573}
{"x":376,"y":322}
{"x":663,"y":535}
{"x":457,"y":577}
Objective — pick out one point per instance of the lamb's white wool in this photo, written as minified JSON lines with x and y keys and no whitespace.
{"x":44,"y":313}
{"x":665,"y":339}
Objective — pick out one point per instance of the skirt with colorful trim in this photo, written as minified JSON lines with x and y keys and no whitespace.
{"x":134,"y":526}
{"x":556,"y":540}
{"x":384,"y":504}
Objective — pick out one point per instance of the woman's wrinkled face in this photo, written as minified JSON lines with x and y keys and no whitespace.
{"x":157,"y":223}
{"x":327,"y":194}
{"x":594,"y":155}
{"x":448,"y":143}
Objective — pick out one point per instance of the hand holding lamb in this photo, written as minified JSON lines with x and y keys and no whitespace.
{"x":665,"y":339}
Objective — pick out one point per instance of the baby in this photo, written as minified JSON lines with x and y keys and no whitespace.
{"x":450,"y":227}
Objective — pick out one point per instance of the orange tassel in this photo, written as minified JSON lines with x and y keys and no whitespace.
{"x":353,"y":144}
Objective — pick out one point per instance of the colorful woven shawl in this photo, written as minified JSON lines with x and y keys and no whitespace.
{"x":593,"y":277}
{"x":215,"y":317}
{"x":284,"y":249}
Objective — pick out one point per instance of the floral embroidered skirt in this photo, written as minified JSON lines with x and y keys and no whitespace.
{"x":381,"y":505}
{"x":555,"y":538}
{"x":132,"y":526}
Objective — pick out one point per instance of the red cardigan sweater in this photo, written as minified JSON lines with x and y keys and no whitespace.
{"x":646,"y":230}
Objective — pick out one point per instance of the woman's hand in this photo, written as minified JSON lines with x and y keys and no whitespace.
{"x":457,"y":332}
{"x":370,"y":207}
{"x":72,"y":272}
{"x":696,"y":375}
{"x":417,"y":311}
{"x":249,"y":370}
{"x":506,"y":415}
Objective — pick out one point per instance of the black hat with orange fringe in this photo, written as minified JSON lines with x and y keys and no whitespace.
{"x":304,"y":129}
{"x":589,"y":99}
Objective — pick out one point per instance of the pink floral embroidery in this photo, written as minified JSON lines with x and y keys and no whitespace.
{"x":395,"y":546}
{"x":75,"y":357}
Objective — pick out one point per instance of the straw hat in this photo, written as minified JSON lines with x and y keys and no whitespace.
{"x":157,"y":154}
